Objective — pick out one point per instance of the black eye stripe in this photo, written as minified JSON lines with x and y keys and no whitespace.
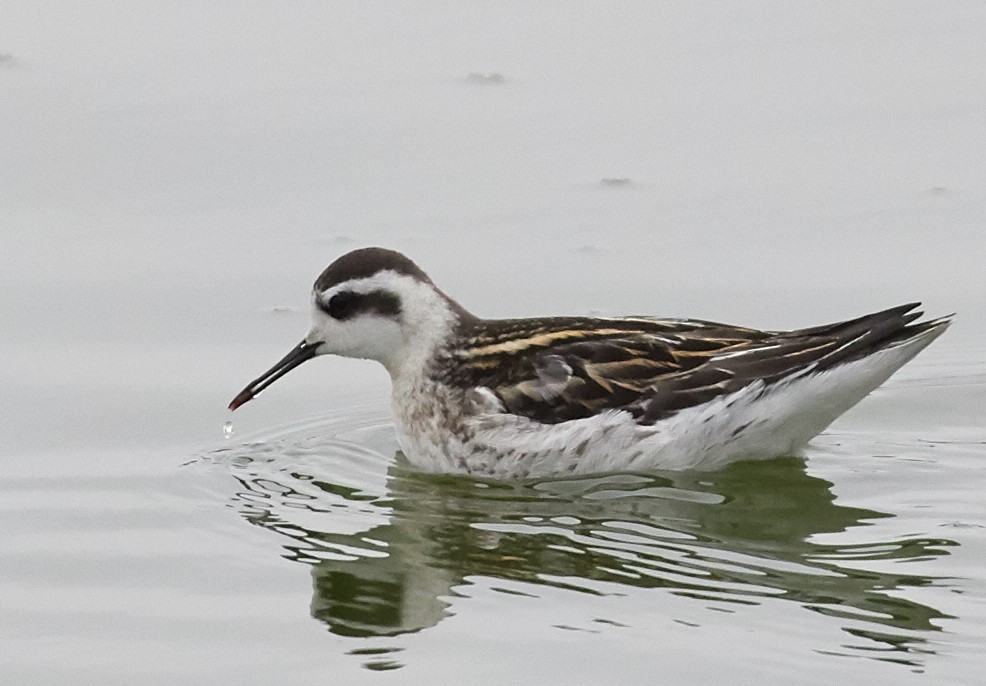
{"x":347,"y":304}
{"x":342,"y":305}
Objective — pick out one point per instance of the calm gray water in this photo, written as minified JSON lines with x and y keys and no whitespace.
{"x":173,"y":177}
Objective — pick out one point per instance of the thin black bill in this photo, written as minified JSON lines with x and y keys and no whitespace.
{"x":302,"y":352}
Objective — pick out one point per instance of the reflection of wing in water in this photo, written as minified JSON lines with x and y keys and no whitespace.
{"x":741,"y":536}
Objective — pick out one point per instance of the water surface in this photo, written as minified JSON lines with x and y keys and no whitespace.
{"x":174,"y":177}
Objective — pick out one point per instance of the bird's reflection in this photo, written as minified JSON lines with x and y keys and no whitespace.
{"x":739,"y":536}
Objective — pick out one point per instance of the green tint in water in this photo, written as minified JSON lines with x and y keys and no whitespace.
{"x":741,"y":537}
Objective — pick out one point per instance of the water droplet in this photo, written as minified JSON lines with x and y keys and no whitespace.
{"x":228,"y":429}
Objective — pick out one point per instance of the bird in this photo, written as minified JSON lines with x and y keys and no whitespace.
{"x":575,"y":395}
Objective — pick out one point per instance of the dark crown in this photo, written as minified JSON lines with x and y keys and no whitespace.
{"x":366,"y":262}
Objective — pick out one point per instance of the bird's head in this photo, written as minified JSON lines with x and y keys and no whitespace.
{"x":374,"y":304}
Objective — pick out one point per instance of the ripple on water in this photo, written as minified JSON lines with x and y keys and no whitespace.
{"x":390,"y":549}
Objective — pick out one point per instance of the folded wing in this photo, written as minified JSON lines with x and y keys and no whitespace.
{"x":654,"y":368}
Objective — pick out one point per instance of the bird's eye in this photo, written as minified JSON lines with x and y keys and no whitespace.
{"x":342,"y":305}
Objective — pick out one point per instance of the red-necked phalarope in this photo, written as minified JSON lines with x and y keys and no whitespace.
{"x":559,"y":395}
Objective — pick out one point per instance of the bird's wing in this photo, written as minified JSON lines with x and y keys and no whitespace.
{"x":566,"y":368}
{"x":654,"y":371}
